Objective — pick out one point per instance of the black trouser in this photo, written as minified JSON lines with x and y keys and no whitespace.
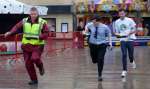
{"x":127,"y":45}
{"x":97,"y":53}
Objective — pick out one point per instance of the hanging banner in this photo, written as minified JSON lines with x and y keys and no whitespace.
{"x":113,"y":5}
{"x":16,"y":7}
{"x":5,"y":6}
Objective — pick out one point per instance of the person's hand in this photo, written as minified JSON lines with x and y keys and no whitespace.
{"x":117,"y":35}
{"x":130,"y":33}
{"x":83,"y":32}
{"x":121,"y":35}
{"x":110,"y":47}
{"x":7,"y":34}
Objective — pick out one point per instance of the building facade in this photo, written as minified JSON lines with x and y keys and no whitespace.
{"x":60,"y":15}
{"x":64,"y":15}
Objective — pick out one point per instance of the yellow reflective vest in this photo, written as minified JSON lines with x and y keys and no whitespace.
{"x":31,"y":32}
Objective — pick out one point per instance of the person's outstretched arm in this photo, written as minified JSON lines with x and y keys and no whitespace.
{"x":14,"y":28}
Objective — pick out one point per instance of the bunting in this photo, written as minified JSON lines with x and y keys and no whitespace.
{"x":107,"y":5}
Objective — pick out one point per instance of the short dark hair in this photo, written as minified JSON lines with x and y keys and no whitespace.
{"x":96,"y":17}
{"x":33,"y":9}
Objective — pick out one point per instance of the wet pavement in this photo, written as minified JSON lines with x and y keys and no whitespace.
{"x":73,"y":69}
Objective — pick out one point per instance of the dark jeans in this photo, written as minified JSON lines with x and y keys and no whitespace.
{"x":127,"y":46}
{"x":97,"y":53}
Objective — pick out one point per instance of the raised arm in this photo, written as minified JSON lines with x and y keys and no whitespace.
{"x":14,"y":29}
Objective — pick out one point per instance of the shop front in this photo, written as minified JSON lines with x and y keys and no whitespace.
{"x":107,"y":9}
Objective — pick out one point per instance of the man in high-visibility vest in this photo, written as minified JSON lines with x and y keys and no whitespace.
{"x":35,"y":31}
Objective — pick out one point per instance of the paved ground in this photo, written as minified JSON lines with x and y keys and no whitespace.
{"x":72,"y":69}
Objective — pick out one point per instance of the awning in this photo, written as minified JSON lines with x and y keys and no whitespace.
{"x":16,"y":7}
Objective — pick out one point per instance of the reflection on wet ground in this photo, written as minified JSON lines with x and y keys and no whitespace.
{"x":72,"y":69}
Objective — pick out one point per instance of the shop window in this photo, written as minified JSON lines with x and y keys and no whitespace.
{"x":64,"y":27}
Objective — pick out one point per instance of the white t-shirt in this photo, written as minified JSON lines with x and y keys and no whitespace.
{"x":124,"y":27}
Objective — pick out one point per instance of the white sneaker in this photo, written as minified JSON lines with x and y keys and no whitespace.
{"x":133,"y":64}
{"x":124,"y":73}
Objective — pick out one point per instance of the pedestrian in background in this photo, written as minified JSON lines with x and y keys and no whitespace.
{"x":125,"y":29}
{"x":98,"y":42}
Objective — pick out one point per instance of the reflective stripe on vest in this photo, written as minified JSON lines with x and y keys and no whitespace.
{"x":31,"y":32}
